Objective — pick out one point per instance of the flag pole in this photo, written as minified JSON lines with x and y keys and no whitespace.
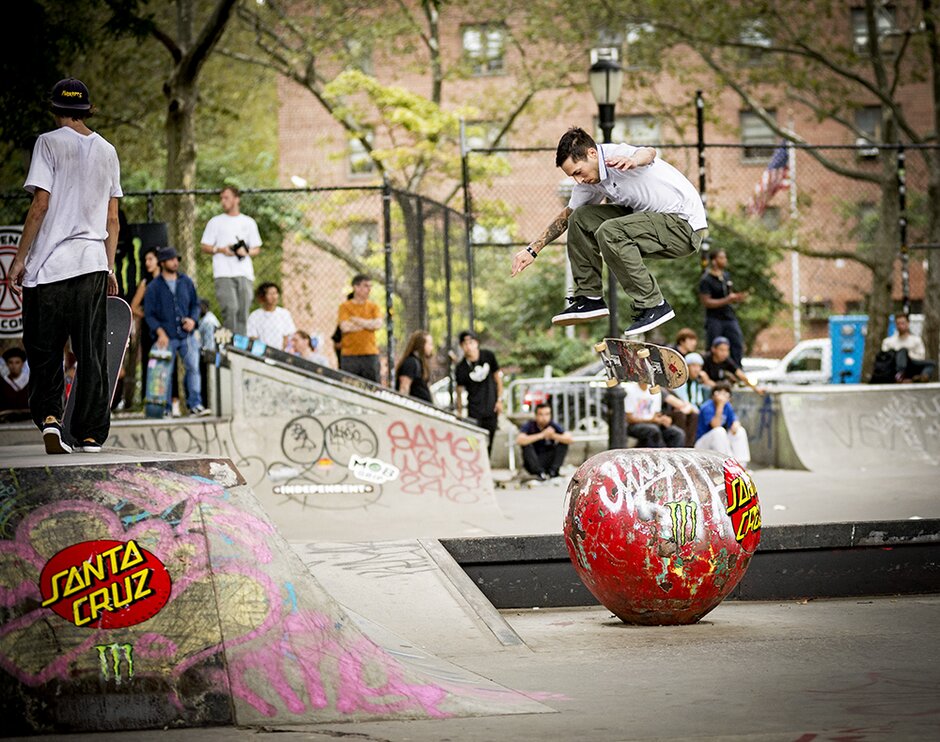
{"x":794,"y":255}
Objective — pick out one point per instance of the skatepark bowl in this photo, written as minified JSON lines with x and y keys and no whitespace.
{"x":326,"y":557}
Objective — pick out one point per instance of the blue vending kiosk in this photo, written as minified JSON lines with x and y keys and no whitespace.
{"x":847,"y":335}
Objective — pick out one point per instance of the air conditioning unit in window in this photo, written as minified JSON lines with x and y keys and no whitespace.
{"x":605,"y":52}
{"x":865,"y":148}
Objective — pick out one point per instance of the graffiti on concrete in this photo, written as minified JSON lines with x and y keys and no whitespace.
{"x":446,"y":465}
{"x":267,"y":397}
{"x":376,"y":559}
{"x":287,"y":651}
{"x":203,"y":439}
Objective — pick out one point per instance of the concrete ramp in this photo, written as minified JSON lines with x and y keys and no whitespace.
{"x":160,"y":594}
{"x":848,"y":429}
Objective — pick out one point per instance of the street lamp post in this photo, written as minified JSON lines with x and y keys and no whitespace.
{"x":606,"y":78}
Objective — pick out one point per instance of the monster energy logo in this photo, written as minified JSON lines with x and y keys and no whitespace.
{"x":110,"y":657}
{"x":683,"y":515}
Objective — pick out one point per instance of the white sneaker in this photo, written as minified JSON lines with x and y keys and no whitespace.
{"x":200,"y":411}
{"x":176,"y":409}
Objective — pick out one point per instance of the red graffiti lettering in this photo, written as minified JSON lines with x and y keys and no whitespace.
{"x":435,"y":463}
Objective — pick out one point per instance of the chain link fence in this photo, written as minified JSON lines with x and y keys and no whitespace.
{"x":825,"y":212}
{"x":314,"y":241}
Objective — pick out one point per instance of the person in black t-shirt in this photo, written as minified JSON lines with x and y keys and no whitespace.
{"x":478,"y":372}
{"x":414,"y":368}
{"x":716,"y":294}
{"x":719,"y":366}
{"x":544,"y":444}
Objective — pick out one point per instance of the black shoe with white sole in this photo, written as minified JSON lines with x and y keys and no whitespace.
{"x":52,"y":437}
{"x":581,"y":309}
{"x":646,"y":319}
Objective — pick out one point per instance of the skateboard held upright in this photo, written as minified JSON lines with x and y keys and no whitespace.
{"x":629,"y":360}
{"x":159,"y":369}
{"x":119,"y":320}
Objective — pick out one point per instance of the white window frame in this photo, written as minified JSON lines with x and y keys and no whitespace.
{"x":758,"y":146}
{"x":488,"y":55}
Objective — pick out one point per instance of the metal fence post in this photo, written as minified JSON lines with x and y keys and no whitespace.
{"x":468,"y":233}
{"x":902,"y":233}
{"x":700,"y":147}
{"x":448,"y":307}
{"x":419,"y":251}
{"x":389,"y":280}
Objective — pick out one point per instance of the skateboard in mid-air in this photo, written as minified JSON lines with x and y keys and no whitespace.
{"x":629,"y":360}
{"x":159,"y":376}
{"x":119,"y":320}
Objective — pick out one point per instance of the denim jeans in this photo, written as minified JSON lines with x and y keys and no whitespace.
{"x":188,"y":349}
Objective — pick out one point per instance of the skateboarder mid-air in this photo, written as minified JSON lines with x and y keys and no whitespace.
{"x":651,"y":210}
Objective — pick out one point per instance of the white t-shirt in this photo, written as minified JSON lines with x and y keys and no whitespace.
{"x":655,"y":187}
{"x":271,"y":327}
{"x":913,"y":344}
{"x":640,"y":403}
{"x":81,"y":173}
{"x":224,"y":231}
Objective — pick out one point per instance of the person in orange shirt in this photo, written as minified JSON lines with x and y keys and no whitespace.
{"x":358,"y":321}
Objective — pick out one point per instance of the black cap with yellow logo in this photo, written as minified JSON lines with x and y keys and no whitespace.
{"x":70,"y":94}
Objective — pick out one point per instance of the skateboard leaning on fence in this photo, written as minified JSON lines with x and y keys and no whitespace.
{"x":119,"y":320}
{"x":629,"y":360}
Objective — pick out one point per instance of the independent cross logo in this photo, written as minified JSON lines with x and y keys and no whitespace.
{"x":11,"y":308}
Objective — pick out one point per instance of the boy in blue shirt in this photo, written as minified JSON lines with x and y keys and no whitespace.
{"x":719,"y":429}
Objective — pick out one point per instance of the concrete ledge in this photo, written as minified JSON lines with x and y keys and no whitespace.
{"x":793,"y":562}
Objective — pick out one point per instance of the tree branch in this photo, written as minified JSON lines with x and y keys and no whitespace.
{"x":209,"y":36}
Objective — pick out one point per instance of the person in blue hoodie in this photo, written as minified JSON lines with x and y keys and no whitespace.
{"x":171,"y":311}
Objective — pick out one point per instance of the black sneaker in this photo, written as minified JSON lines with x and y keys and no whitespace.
{"x":52,"y":436}
{"x":89,"y":445}
{"x":646,"y":319}
{"x":581,"y":309}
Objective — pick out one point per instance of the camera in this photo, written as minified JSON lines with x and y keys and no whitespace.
{"x":240,"y":248}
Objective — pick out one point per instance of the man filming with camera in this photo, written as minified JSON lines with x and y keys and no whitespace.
{"x":232,"y":239}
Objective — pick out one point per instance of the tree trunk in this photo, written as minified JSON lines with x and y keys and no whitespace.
{"x":181,"y":167}
{"x":408,"y":283}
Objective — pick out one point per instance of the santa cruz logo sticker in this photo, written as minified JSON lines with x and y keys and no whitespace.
{"x":743,"y":507}
{"x":105,"y":584}
{"x":11,"y":310}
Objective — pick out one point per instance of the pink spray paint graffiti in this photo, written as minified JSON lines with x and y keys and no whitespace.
{"x":434,"y":463}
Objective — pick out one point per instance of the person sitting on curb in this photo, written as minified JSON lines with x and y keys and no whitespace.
{"x":544,"y":444}
{"x":719,"y":429}
{"x":645,"y":420}
{"x":719,"y":366}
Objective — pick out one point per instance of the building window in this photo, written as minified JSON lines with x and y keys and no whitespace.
{"x":633,"y":46}
{"x":363,"y":238}
{"x":484,"y":47}
{"x":609,"y":45}
{"x":771,"y":218}
{"x":885,"y":22}
{"x":815,"y":311}
{"x":868,"y":123}
{"x":360,"y":162}
{"x":359,"y":55}
{"x":758,"y":138}
{"x":754,"y":34}
{"x":482,"y":135}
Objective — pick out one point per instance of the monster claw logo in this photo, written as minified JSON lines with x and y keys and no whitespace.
{"x":683,"y":515}
{"x":105,"y":584}
{"x":116,"y":661}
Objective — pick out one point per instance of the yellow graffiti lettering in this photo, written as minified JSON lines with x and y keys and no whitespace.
{"x":99,"y":601}
{"x":77,"y":617}
{"x":55,"y":588}
{"x":116,"y":601}
{"x":742,"y":492}
{"x":111,"y":556}
{"x":142,"y":590}
{"x":750,"y":522}
{"x":97,"y":571}
{"x":132,"y":556}
{"x":74,"y":583}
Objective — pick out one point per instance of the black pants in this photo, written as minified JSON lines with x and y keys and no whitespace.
{"x":728,"y":328}
{"x":53,"y":313}
{"x":650,"y":435}
{"x":490,"y":423}
{"x":547,"y":461}
{"x":367,"y":367}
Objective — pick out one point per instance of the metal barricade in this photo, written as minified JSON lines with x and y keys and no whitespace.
{"x":578,"y":405}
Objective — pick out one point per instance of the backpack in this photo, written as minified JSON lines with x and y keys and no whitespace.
{"x":885,"y":368}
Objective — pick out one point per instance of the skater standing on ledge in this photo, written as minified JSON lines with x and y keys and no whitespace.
{"x":65,"y":264}
{"x":652,"y":210}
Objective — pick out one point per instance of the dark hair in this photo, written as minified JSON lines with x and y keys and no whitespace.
{"x":466,"y":334}
{"x":359,"y":278}
{"x":540,"y":405}
{"x":726,"y":386}
{"x":233,"y":189}
{"x":686,"y":333}
{"x":575,"y":144}
{"x":263,"y":289}
{"x":306,"y":336}
{"x":71,"y":113}
{"x":415,"y":347}
{"x":14,"y":352}
{"x":712,"y":254}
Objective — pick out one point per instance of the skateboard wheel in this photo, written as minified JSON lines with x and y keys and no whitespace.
{"x":612,"y":382}
{"x":600,"y":347}
{"x":654,"y":389}
{"x":643,"y":353}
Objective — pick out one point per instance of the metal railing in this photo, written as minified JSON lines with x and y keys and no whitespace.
{"x":578,"y":405}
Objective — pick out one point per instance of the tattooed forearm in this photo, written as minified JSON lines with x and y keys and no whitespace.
{"x":554,"y":230}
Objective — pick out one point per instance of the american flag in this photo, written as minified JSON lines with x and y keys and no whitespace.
{"x":774,"y":179}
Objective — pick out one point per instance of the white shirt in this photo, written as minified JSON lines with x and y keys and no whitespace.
{"x":655,"y":187}
{"x":271,"y":327}
{"x":912,"y":344}
{"x":223,"y":231}
{"x":640,"y":403}
{"x":81,"y":173}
